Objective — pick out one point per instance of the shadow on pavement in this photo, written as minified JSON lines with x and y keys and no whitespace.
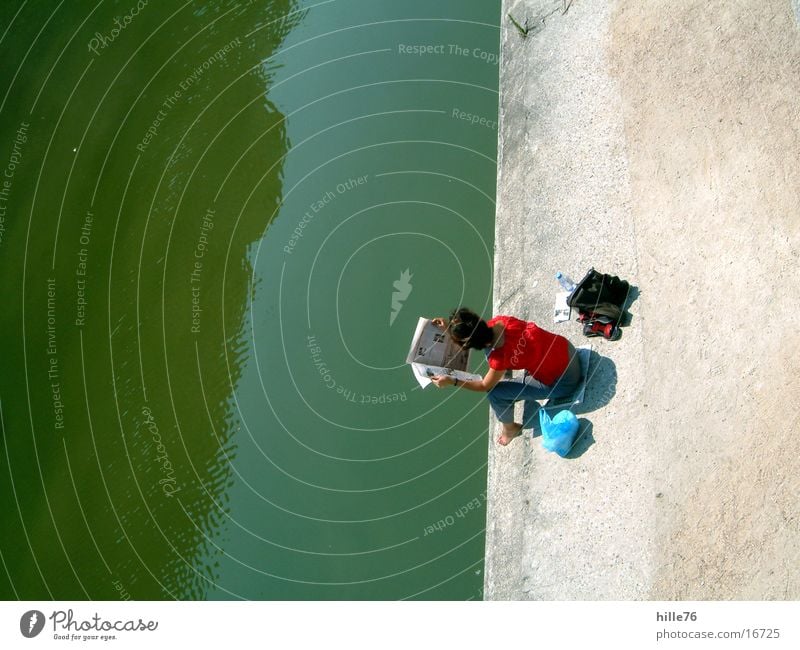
{"x":601,"y":387}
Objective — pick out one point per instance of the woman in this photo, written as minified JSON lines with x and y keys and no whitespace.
{"x":552,"y":368}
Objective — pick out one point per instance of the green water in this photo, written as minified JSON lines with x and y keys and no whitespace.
{"x":207,"y":209}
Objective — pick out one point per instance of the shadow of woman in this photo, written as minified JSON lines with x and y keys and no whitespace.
{"x":601,"y":386}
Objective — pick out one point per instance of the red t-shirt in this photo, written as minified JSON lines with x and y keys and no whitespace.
{"x":526,"y":346}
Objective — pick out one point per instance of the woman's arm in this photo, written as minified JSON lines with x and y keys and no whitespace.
{"x":484,"y":385}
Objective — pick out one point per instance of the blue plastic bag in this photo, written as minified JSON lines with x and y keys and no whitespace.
{"x":558,"y":434}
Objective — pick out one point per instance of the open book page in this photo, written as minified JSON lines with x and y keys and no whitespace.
{"x":434,"y":353}
{"x":423,"y":373}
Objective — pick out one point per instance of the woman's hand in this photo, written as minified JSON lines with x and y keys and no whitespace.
{"x":440,"y":323}
{"x":443,"y":380}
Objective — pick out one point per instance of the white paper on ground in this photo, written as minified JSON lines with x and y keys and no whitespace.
{"x":561,"y":310}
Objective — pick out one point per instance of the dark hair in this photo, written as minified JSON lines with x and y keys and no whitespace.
{"x":469,"y":329}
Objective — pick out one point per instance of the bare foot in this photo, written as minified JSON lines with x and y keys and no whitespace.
{"x":510,"y":431}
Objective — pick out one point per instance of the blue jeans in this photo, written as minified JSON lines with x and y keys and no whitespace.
{"x":509,"y":391}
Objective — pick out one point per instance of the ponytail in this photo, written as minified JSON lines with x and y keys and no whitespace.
{"x":469,"y":329}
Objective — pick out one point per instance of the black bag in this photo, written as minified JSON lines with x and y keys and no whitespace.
{"x":600,"y":294}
